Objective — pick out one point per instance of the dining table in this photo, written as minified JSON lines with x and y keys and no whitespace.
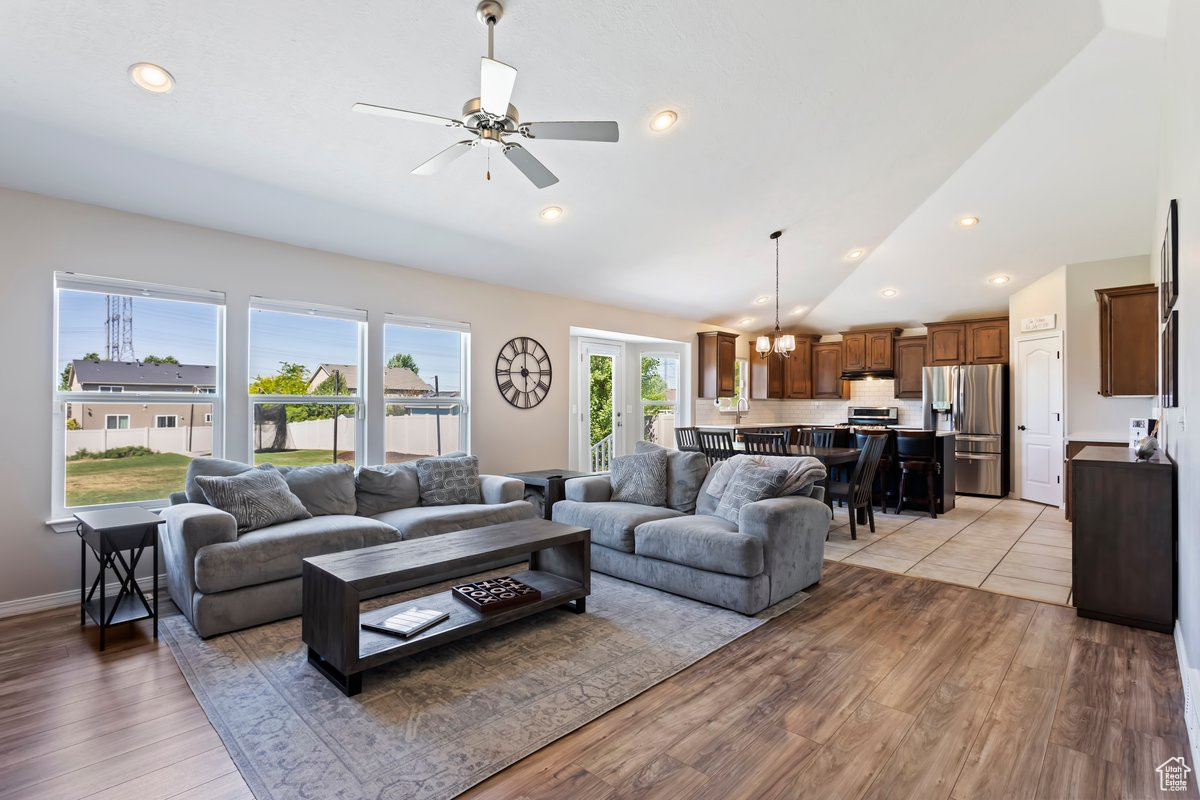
{"x":829,"y":456}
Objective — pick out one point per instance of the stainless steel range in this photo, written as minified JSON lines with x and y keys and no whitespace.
{"x":872,"y":416}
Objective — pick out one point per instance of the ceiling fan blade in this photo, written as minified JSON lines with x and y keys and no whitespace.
{"x":533,"y":169}
{"x":443,"y":158}
{"x":399,"y":113}
{"x":577,"y":131}
{"x":496,"y":80}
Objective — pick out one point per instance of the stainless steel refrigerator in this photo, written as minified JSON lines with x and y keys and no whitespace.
{"x":972,"y":401}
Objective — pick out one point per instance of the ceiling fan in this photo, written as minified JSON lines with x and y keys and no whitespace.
{"x":491,"y":118}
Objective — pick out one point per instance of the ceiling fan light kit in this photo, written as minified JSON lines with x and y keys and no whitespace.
{"x":784,"y":343}
{"x":491,"y":117}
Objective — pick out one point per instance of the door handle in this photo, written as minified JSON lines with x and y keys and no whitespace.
{"x":1020,"y":427}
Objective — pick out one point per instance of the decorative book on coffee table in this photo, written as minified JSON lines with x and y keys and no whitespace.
{"x":496,"y":593}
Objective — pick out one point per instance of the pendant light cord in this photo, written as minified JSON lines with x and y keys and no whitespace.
{"x":777,"y":284}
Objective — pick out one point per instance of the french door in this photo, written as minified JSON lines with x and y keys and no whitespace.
{"x":601,"y":392}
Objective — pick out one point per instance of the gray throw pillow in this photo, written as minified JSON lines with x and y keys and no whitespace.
{"x":640,"y":478}
{"x":257,"y":498}
{"x":323,"y":488}
{"x":386,"y":488}
{"x":686,"y":472}
{"x":749,"y":484}
{"x":449,"y":481}
{"x":207,"y":465}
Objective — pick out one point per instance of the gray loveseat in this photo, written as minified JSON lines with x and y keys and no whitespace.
{"x":775,"y":549}
{"x":223,"y":581}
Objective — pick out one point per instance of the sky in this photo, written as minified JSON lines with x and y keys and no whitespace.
{"x":188,"y":331}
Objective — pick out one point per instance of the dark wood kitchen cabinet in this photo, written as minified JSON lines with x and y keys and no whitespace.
{"x":909,"y":363}
{"x":766,"y":376}
{"x":868,"y":350}
{"x":1128,"y":340}
{"x":827,"y":371}
{"x":1123,"y":538}
{"x":987,"y":341}
{"x":779,"y":378}
{"x":854,"y":351}
{"x":947,"y":345}
{"x":717,"y":353}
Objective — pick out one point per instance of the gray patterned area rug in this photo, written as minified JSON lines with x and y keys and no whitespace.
{"x":436,"y":724}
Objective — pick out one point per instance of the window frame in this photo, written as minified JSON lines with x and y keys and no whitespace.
{"x":174,"y":418}
{"x":464,"y":366}
{"x":118,"y":417}
{"x":677,"y":405}
{"x":359,"y":400}
{"x":60,"y":512}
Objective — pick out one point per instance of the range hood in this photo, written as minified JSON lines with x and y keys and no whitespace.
{"x":869,"y":375}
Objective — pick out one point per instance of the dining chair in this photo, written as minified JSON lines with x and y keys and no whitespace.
{"x":858,"y":489}
{"x":886,"y":460}
{"x":804,"y":437}
{"x":686,"y":440}
{"x":823,"y":437}
{"x":917,"y":455}
{"x":768,"y":443}
{"x":716,"y":445}
{"x":786,"y":433}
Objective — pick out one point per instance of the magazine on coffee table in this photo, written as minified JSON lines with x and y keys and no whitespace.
{"x":408,"y":622}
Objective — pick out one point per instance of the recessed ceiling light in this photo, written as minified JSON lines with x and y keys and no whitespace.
{"x":663,"y":120}
{"x":550,"y":213}
{"x":999,"y":280}
{"x":969,"y":222}
{"x":888,"y":293}
{"x":746,"y":321}
{"x":799,"y":309}
{"x":762,"y":298}
{"x":151,"y":77}
{"x":855,"y":254}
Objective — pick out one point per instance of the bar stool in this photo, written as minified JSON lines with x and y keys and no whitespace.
{"x":918,"y":458}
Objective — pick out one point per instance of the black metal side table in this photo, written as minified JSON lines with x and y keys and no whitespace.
{"x":547,"y":486}
{"x":108,"y":533}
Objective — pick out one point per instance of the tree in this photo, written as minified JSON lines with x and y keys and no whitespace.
{"x":654,"y":387}
{"x":160,"y":360}
{"x":404,"y":361}
{"x":288,"y":380}
{"x":600,"y":402}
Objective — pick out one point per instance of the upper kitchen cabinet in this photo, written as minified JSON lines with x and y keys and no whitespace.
{"x":972,"y":341}
{"x":1128,"y":340}
{"x":909,"y":363}
{"x":987,"y":341}
{"x":766,"y":376}
{"x":779,"y":378}
{"x":869,"y":350}
{"x":827,"y":371}
{"x":854,"y":351}
{"x":717,"y":352}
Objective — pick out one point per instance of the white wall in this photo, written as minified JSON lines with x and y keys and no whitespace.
{"x":1087,"y":410}
{"x":41,"y":235}
{"x":1179,"y":178}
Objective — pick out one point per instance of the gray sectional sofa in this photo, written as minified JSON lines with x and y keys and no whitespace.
{"x":774,"y":550}
{"x":224,"y":581}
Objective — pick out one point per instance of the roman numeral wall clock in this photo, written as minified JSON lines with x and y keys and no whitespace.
{"x":523,"y":372}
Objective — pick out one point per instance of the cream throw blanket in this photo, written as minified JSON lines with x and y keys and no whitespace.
{"x":801,"y":472}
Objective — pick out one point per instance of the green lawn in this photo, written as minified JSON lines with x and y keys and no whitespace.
{"x":123,"y":480}
{"x":303,"y":458}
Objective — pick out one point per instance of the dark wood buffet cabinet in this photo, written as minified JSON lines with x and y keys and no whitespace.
{"x":1123,"y":537}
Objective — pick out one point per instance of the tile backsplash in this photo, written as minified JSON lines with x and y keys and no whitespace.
{"x":816,"y":412}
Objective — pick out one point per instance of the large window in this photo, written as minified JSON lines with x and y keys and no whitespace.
{"x":660,"y":397}
{"x":306,"y":393}
{"x":425,"y":388}
{"x":129,"y":355}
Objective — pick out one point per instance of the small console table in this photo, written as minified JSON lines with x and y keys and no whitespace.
{"x":547,"y":484}
{"x":109,"y":533}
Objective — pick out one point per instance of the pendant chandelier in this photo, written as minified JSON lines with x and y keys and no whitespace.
{"x":783,"y":343}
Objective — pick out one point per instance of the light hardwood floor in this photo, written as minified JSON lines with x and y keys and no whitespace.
{"x":880,"y":685}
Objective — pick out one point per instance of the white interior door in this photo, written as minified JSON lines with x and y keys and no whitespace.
{"x":602,"y":403}
{"x":1040,"y":418}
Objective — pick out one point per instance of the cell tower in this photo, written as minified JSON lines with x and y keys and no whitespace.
{"x":118,"y":328}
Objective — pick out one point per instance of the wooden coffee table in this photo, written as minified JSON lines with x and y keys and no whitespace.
{"x":334,"y":585}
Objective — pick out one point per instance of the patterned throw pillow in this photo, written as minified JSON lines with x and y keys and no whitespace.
{"x":640,"y":478}
{"x":750,"y":483}
{"x":257,"y":498}
{"x":449,"y":481}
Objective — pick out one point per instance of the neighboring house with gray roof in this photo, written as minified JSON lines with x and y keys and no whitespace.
{"x":122,"y":377}
{"x":397,"y":381}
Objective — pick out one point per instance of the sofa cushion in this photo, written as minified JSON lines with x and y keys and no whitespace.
{"x":276,"y":553}
{"x":421,"y":521}
{"x":323,"y":488}
{"x":206,"y":465}
{"x":611,"y":523}
{"x":640,"y":478}
{"x":449,"y":481}
{"x":385,"y":487}
{"x":707,"y":543}
{"x":686,"y":471}
{"x":749,"y":484}
{"x":257,"y":498}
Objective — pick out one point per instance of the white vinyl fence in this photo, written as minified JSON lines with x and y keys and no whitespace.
{"x":416,"y":434}
{"x":188,"y":441}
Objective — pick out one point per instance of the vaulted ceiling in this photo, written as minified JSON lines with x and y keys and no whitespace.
{"x":847,"y":124}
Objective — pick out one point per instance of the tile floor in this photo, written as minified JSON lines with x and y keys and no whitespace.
{"x":1007,"y":546}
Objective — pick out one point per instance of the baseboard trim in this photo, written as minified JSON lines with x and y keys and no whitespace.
{"x":27,"y":605}
{"x":1191,"y":684}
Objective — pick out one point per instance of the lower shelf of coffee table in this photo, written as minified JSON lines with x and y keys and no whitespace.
{"x":380,"y":648}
